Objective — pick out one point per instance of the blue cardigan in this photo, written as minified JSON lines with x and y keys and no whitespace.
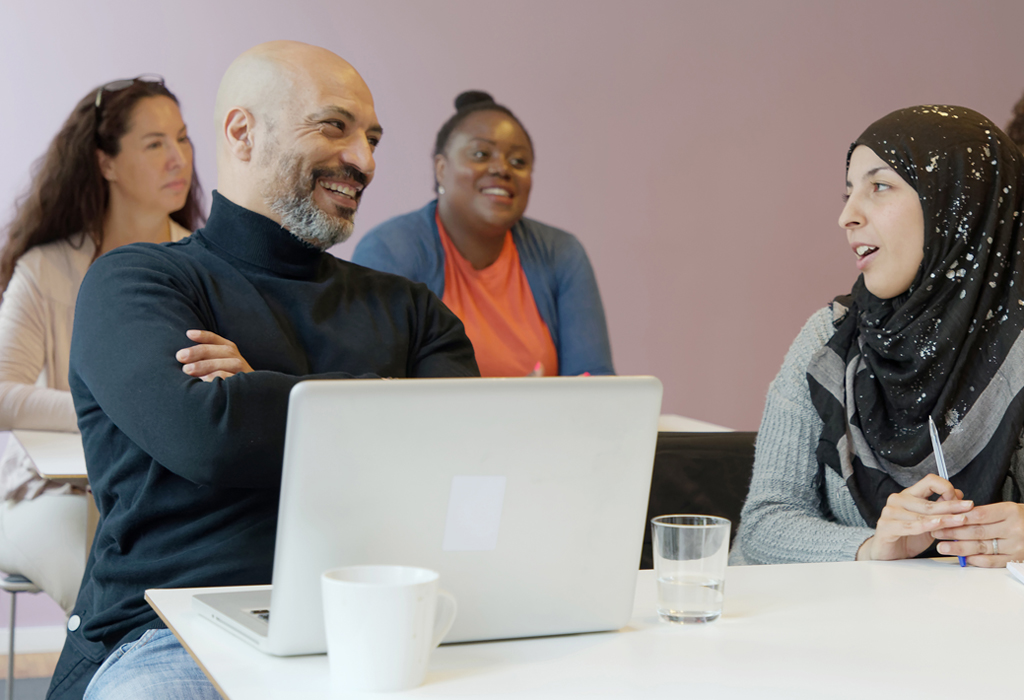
{"x":556,"y":267}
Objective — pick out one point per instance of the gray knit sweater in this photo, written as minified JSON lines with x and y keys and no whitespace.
{"x":783,"y":520}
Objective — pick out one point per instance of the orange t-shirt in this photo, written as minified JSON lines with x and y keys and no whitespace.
{"x":497,"y":308}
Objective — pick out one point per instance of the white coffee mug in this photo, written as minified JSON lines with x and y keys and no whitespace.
{"x":382,"y":622}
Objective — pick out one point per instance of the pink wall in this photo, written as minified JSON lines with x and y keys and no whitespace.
{"x":696,"y":148}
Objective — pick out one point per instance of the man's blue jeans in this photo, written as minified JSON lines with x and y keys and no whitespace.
{"x":155,"y":667}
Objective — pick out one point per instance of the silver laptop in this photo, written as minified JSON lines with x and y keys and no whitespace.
{"x":529,"y":496}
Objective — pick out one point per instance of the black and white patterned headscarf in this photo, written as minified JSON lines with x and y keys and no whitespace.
{"x":950,"y":347}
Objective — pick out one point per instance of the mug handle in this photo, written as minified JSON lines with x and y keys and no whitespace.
{"x":444,"y":616}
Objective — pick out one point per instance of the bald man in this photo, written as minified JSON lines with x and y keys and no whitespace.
{"x":183,"y":356}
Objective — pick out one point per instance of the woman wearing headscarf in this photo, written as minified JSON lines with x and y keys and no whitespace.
{"x":525,"y":291}
{"x":844,"y":467}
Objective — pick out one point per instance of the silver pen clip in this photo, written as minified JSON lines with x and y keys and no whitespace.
{"x":940,"y":458}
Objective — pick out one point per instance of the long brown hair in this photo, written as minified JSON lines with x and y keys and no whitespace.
{"x":68,"y":193}
{"x":1015,"y":129}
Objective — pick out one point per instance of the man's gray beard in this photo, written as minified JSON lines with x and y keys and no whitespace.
{"x":309,"y":223}
{"x":290,"y":195}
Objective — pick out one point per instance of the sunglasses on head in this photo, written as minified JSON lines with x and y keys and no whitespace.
{"x":118,"y":85}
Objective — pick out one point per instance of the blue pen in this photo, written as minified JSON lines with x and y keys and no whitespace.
{"x":940,"y":461}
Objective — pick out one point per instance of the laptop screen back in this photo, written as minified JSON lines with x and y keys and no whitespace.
{"x":527,"y":495}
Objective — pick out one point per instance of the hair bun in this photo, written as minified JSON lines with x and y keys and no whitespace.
{"x":471,"y":97}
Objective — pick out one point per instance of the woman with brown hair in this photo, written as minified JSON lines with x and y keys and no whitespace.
{"x":119,"y":171}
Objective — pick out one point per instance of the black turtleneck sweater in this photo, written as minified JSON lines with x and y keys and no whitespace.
{"x":186,"y":473}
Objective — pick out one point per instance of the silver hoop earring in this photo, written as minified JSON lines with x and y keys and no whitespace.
{"x":440,"y":189}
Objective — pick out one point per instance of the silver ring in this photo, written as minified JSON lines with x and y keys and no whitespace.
{"x":995,"y":546}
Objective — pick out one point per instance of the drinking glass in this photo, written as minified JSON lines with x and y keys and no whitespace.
{"x":690,"y":556}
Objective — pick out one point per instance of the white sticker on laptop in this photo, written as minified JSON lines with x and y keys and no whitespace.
{"x":474,"y":513}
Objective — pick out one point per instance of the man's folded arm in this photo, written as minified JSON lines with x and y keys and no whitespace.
{"x":132,"y":319}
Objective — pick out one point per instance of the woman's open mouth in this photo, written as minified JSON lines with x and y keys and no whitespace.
{"x":864,"y":254}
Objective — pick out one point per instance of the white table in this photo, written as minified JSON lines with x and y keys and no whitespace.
{"x":55,"y":455}
{"x":912,"y":629}
{"x":673,"y":423}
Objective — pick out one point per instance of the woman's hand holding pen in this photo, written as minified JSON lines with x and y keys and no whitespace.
{"x":990,"y":535}
{"x":909,"y":522}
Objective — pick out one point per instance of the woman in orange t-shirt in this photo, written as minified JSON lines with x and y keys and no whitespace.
{"x":525,"y":291}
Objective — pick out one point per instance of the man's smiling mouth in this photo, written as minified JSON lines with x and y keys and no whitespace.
{"x":340,"y":188}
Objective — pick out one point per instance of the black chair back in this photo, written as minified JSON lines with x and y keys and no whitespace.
{"x":699,"y":474}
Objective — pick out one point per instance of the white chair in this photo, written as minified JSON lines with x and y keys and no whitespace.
{"x":14,"y":584}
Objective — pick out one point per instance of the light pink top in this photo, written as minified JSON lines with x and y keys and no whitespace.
{"x":36,"y":318}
